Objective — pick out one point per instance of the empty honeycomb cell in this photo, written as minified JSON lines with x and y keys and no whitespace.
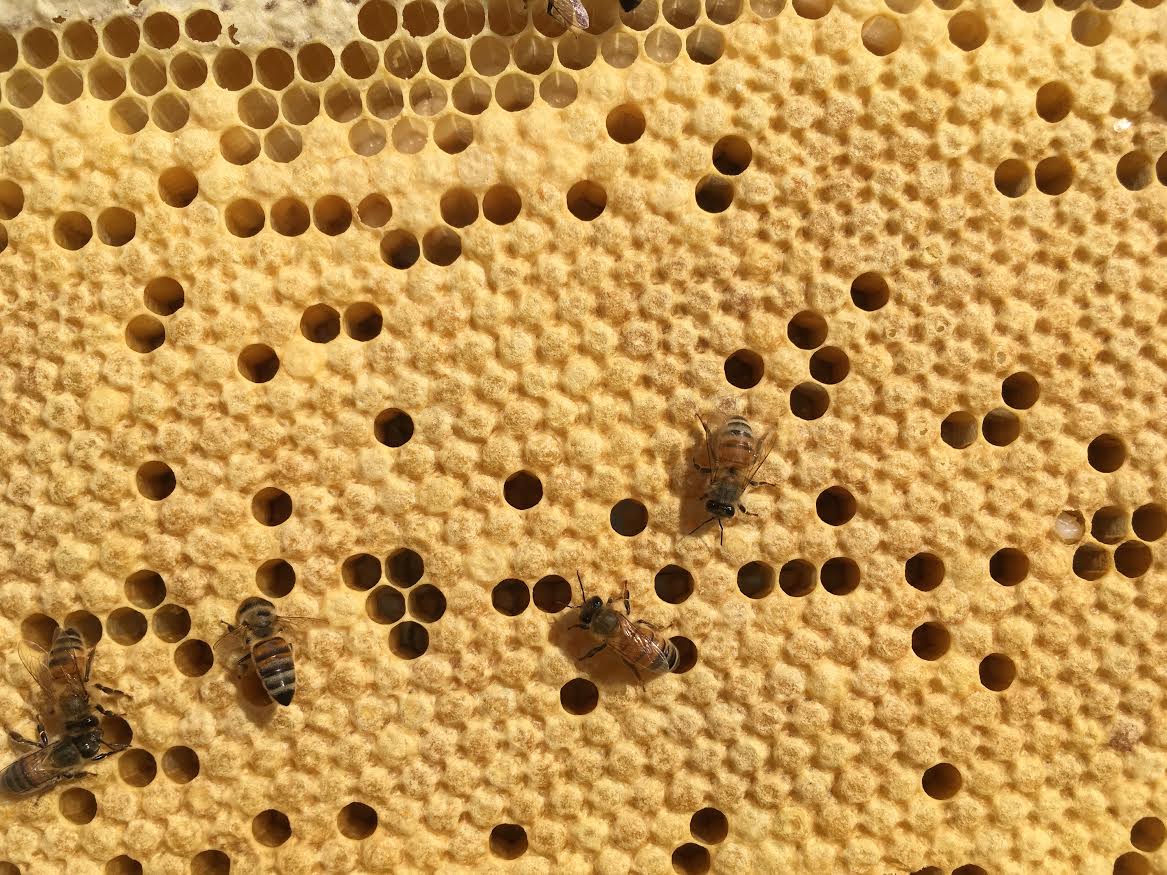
{"x":459,"y":207}
{"x":289,"y":216}
{"x":363,"y":321}
{"x":400,"y":249}
{"x":625,"y":124}
{"x":681,"y":14}
{"x":106,"y":81}
{"x":1011,"y":177}
{"x":274,"y":69}
{"x":713,"y":193}
{"x":755,"y":580}
{"x":128,"y":115}
{"x":145,"y":589}
{"x":271,"y":506}
{"x":120,"y":36}
{"x":510,"y":597}
{"x":795,"y":578}
{"x":930,"y":641}
{"x":1134,"y":170}
{"x":163,"y":295}
{"x":239,"y":146}
{"x":673,"y":584}
{"x":356,"y":821}
{"x":160,"y":30}
{"x":1008,"y":566}
{"x":155,"y":480}
{"x":506,"y":17}
{"x":642,"y":16}
{"x":384,"y":100}
{"x":203,"y":26}
{"x":342,"y":102}
{"x":315,"y":61}
{"x":967,"y":30}
{"x":441,"y":246}
{"x":1161,"y":169}
{"x":210,"y":862}
{"x":508,"y":840}
{"x":39,"y":630}
{"x":1091,"y":562}
{"x":1020,"y":390}
{"x":997,"y":672}
{"x":177,"y":187}
{"x":403,"y":58}
{"x":385,"y":605}
{"x":64,"y":84}
{"x":244,"y":217}
{"x":691,"y":859}
{"x":409,"y":136}
{"x":170,"y":112}
{"x":374,"y":210}
{"x":145,"y":334}
{"x":1000,"y":427}
{"x":959,"y":429}
{"x":1148,"y":834}
{"x":282,"y":144}
{"x":1053,"y":175}
{"x":123,"y":865}
{"x":393,"y":427}
{"x":533,"y":54}
{"x":471,"y":95}
{"x":881,"y":35}
{"x":1110,"y":524}
{"x":835,"y":506}
{"x":453,"y":134}
{"x":180,"y":764}
{"x":732,"y":155}
{"x":258,"y":363}
{"x":839,"y":575}
{"x":39,"y":48}
{"x":830,"y":365}
{"x":377,"y":19}
{"x":408,"y":640}
{"x":464,"y":18}
{"x":686,"y":654}
{"x":419,"y":18}
{"x":320,"y":323}
{"x":275,"y":578}
{"x":9,"y":51}
{"x":77,"y":805}
{"x":87,"y":624}
{"x":522,"y":490}
{"x":79,"y":40}
{"x":586,"y":200}
{"x":558,"y":89}
{"x":1131,"y":863}
{"x":1132,"y":559}
{"x":942,"y":781}
{"x":1149,"y":522}
{"x":870,"y":291}
{"x":705,"y":44}
{"x":188,"y":71}
{"x":258,"y":109}
{"x":116,"y":730}
{"x":501,"y":204}
{"x":514,"y":92}
{"x":405,"y":567}
{"x":137,"y":767}
{"x":579,"y":696}
{"x":426,"y":603}
{"x":628,"y":517}
{"x":619,"y":49}
{"x":445,"y":58}
{"x":171,"y":623}
{"x":11,"y":199}
{"x":72,"y":230}
{"x":1090,"y":28}
{"x":1054,"y":101}
{"x":1069,"y":526}
{"x":11,"y":127}
{"x":126,"y":626}
{"x":300,"y":104}
{"x":577,"y":50}
{"x":809,"y":401}
{"x":271,"y":828}
{"x":551,"y":594}
{"x":709,"y":825}
{"x":360,"y":59}
{"x":24,"y":89}
{"x":1106,"y":453}
{"x":116,"y":227}
{"x":807,"y":330}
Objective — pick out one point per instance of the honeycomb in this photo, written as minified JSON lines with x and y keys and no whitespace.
{"x":399,"y":314}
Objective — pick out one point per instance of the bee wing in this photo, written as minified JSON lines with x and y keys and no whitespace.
{"x":297,"y":624}
{"x":569,"y":13}
{"x":229,"y":644}
{"x":765,"y":444}
{"x":35,"y":661}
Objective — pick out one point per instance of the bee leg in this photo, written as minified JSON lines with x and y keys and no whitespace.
{"x":721,"y":526}
{"x":594,"y":651}
{"x":632,"y":669}
{"x":756,"y":483}
{"x":702,"y":468}
{"x":627,"y":602}
{"x":104,"y":711}
{"x":111,"y":691}
{"x":241,"y":664}
{"x":742,"y":509}
{"x":651,"y":626}
{"x":89,"y":663}
{"x":20,"y":739}
{"x":112,"y":750}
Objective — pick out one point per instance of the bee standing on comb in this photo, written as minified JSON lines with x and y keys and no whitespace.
{"x":734,"y":456}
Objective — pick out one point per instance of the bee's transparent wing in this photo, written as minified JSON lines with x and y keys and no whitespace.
{"x":569,"y":13}
{"x":230,"y":645}
{"x":765,"y":445}
{"x":35,"y":661}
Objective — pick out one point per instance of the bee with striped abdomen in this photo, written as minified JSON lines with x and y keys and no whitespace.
{"x":257,"y":634}
{"x":735,"y":455}
{"x":52,"y":762}
{"x":637,"y":642}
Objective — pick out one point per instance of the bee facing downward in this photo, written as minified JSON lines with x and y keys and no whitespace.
{"x":257,"y":634}
{"x":735,"y":456}
{"x":635,"y":641}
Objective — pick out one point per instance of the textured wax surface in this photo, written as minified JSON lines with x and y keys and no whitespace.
{"x":401,"y":316}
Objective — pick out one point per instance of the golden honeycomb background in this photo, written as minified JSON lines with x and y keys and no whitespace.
{"x":400,"y":314}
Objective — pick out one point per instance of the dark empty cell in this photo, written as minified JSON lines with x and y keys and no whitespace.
{"x":586,"y":200}
{"x":1148,"y":834}
{"x":809,"y":401}
{"x":145,"y":589}
{"x":453,"y":134}
{"x":65,"y":84}
{"x":210,"y":862}
{"x":39,"y":47}
{"x":830,"y":365}
{"x":1161,"y":169}
{"x":77,"y":805}
{"x":360,"y":59}
{"x":579,"y":696}
{"x":300,"y":105}
{"x":997,"y":672}
{"x":116,"y":227}
{"x":385,"y":605}
{"x":11,"y":127}
{"x":1053,"y":176}
{"x":11,"y":199}
{"x":807,"y":330}
{"x":375,"y":210}
{"x":510,"y":597}
{"x":405,"y":567}
{"x":403,"y":58}
{"x":501,"y":204}
{"x":967,"y":31}
{"x":812,"y":9}
{"x":72,"y":230}
{"x":930,"y":641}
{"x":363,"y":321}
{"x":870,"y":292}
{"x":171,"y":623}
{"x":356,"y":821}
{"x":1008,"y":566}
{"x":115,"y":729}
{"x":1131,"y":863}
{"x":123,"y":865}
{"x":881,"y":35}
{"x":924,"y":571}
{"x":628,"y":517}
{"x":289,"y":216}
{"x":840,"y":575}
{"x":203,"y":26}
{"x":126,"y":626}
{"x":673,"y":584}
{"x":271,"y":828}
{"x":691,"y":859}
{"x":959,"y":429}
{"x":1020,"y":391}
{"x":1106,"y":453}
{"x":245,"y":217}
{"x":316,"y":62}
{"x":1134,"y":170}
{"x":1053,"y":101}
{"x":835,"y":506}
{"x":625,"y":123}
{"x":552,"y":594}
{"x":522,"y":490}
{"x":25,"y":89}
{"x":393,"y":427}
{"x":744,"y":369}
{"x":1150,"y":522}
{"x":342,"y":103}
{"x":258,"y":363}
{"x":39,"y":630}
{"x":755,"y":580}
{"x":271,"y":506}
{"x":145,"y":334}
{"x":1000,"y":427}
{"x":795,"y":578}
{"x":1109,"y":525}
{"x":1132,"y":559}
{"x":188,"y":71}
{"x":232,"y":69}
{"x":274,"y":69}
{"x":360,"y":571}
{"x":508,"y":841}
{"x":1011,"y":178}
{"x":464,"y":18}
{"x":705,"y":44}
{"x":79,"y":41}
{"x":1091,"y":562}
{"x":275,"y":578}
{"x":471,"y":95}
{"x":709,"y":826}
{"x":714,"y":194}
{"x":258,"y":109}
{"x":400,"y":249}
{"x":426,"y":603}
{"x":1090,"y":28}
{"x":942,"y":781}
{"x":459,"y":207}
{"x":177,"y":187}
{"x":445,"y":58}
{"x":732,"y":155}
{"x":686,"y":654}
{"x":332,"y":215}
{"x":441,"y":246}
{"x":170,"y":112}
{"x":137,"y":767}
{"x":408,"y":640}
{"x":155,"y":480}
{"x":320,"y":323}
{"x":377,"y":19}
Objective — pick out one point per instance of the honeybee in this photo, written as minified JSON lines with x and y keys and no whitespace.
{"x":569,"y":13}
{"x":735,"y":456}
{"x":257,"y":634}
{"x":629,"y":5}
{"x":637,"y":642}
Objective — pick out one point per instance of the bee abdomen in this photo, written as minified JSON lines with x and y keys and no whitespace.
{"x":672,"y":656}
{"x":67,"y":645}
{"x":273,"y":662}
{"x":16,"y":781}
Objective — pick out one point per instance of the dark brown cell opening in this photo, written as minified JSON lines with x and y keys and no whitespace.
{"x":361,"y":571}
{"x":839,"y":575}
{"x":72,"y":230}
{"x":393,"y":427}
{"x":245,"y":218}
{"x":1008,"y":566}
{"x":809,"y":401}
{"x":1148,"y":834}
{"x":258,"y":109}
{"x":1134,"y":171}
{"x":126,"y":626}
{"x":155,"y":480}
{"x":881,"y":35}
{"x":552,"y":594}
{"x":673,"y":584}
{"x":453,"y":134}
{"x":408,"y":640}
{"x":164,"y":296}
{"x":241,"y":146}
{"x":320,"y":323}
{"x":145,"y":334}
{"x":942,"y":781}
{"x":39,"y":629}
{"x":203,"y":26}
{"x":116,"y":730}
{"x":1109,"y":524}
{"x":713,"y":193}
{"x":316,"y":62}
{"x":796,"y":578}
{"x":1091,"y":562}
{"x":87,"y":624}
{"x":258,"y":363}
{"x":522,"y":490}
{"x":363,"y":321}
{"x":625,"y":123}
{"x":830,"y":365}
{"x":1131,"y":863}
{"x":1053,"y":175}
{"x":289,"y":216}
{"x":501,"y":204}
{"x":300,"y":105}
{"x":870,"y":292}
{"x":79,"y":40}
{"x":145,"y":589}
{"x":510,"y":597}
{"x":459,"y":207}
{"x":77,"y":805}
{"x":709,"y":825}
{"x":586,"y":200}
{"x":271,"y":506}
{"x":628,"y":517}
{"x":137,"y":767}
{"x":367,"y":138}
{"x":1053,"y":101}
{"x":1106,"y":453}
{"x":275,"y":578}
{"x":274,"y":69}
{"x":1000,"y":427}
{"x":732,"y":155}
{"x":691,"y":859}
{"x":959,"y":429}
{"x":400,"y":249}
{"x":356,"y":821}
{"x":930,"y":641}
{"x":375,"y":210}
{"x":1090,"y":28}
{"x":967,"y":31}
{"x":997,"y":672}
{"x":405,"y":567}
{"x":426,"y":603}
{"x":360,"y":59}
{"x":171,"y":623}
{"x":441,"y":246}
{"x":123,"y":865}
{"x":1132,"y":559}
{"x":11,"y":199}
{"x":271,"y":828}
{"x":1150,"y":522}
{"x":579,"y":696}
{"x":231,"y":69}
{"x":385,"y":605}
{"x":1011,"y":178}
{"x":1020,"y":391}
{"x":39,"y":47}
{"x":508,"y":841}
{"x":211,"y":862}
{"x":835,"y":506}
{"x":464,"y":18}
{"x":377,"y":20}
{"x":924,"y":571}
{"x":744,"y":369}
{"x":188,"y":71}
{"x":180,"y":764}
{"x":686,"y":654}
{"x":194,"y":658}
{"x":170,"y":112}
{"x":755,"y":580}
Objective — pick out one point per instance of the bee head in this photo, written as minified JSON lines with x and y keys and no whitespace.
{"x":723,"y":511}
{"x":589,"y":609}
{"x":256,"y":611}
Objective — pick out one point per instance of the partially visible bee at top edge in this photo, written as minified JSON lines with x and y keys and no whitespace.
{"x":569,"y":13}
{"x":255,"y":639}
{"x":735,"y":455}
{"x":637,"y":642}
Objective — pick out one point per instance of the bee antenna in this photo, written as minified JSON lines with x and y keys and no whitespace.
{"x":721,"y":525}
{"x":703,"y":525}
{"x":582,"y":595}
